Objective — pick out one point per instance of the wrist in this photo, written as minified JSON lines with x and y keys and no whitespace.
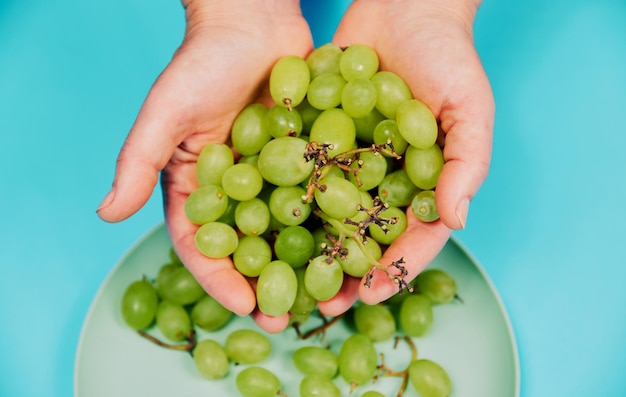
{"x":236,"y":13}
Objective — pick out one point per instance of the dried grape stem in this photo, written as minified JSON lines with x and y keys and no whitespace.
{"x":188,"y":347}
{"x":322,"y":328}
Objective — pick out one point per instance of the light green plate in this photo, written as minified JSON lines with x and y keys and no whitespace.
{"x":472,"y":340}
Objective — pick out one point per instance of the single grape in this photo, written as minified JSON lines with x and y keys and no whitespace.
{"x":340,"y":198}
{"x":180,"y":286}
{"x":282,"y":163}
{"x":372,"y":168}
{"x":325,"y":91}
{"x":287,"y":206}
{"x":334,"y":126}
{"x":416,"y":315}
{"x":257,"y":382}
{"x":280,"y":121}
{"x":294,"y":245}
{"x":429,"y":379}
{"x":394,"y":230}
{"x":437,"y":285}
{"x":206,"y":204}
{"x":423,"y":166}
{"x":315,"y":360}
{"x":251,"y":256}
{"x":358,"y":360}
{"x":252,"y":159}
{"x":308,"y":114}
{"x":356,"y":264}
{"x":252,"y":217}
{"x":417,"y":124}
{"x":396,"y":189}
{"x":358,"y":61}
{"x":324,"y":59}
{"x":375,"y":321}
{"x":213,"y":160}
{"x":247,"y":346}
{"x":387,"y":131}
{"x":228,"y":217}
{"x":316,"y":386}
{"x":358,"y":97}
{"x":276,"y":288}
{"x":392,"y":91}
{"x":173,"y":321}
{"x":242,"y":182}
{"x":366,"y":125}
{"x":372,"y":393}
{"x":216,"y":239}
{"x":424,"y":206}
{"x":323,"y":279}
{"x":304,"y":304}
{"x":249,"y":133}
{"x":208,"y":314}
{"x":163,"y":274}
{"x":289,"y":80}
{"x":139,"y":304}
{"x":210,"y":359}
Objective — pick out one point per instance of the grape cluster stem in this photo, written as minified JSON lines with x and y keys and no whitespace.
{"x":188,"y":347}
{"x":384,"y":370}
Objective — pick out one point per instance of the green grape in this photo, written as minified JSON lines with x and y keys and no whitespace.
{"x":180,"y":287}
{"x":252,"y":217}
{"x":252,"y":159}
{"x":325,"y":90}
{"x":216,"y":239}
{"x":424,"y":206}
{"x":289,"y":80}
{"x":139,"y":304}
{"x":372,"y":393}
{"x":257,"y":382}
{"x":358,"y":61}
{"x":248,"y":132}
{"x":173,"y":321}
{"x":340,"y":198}
{"x":358,"y":360}
{"x":417,"y":124}
{"x":323,"y":279}
{"x":304,"y":303}
{"x":210,"y":359}
{"x":374,"y":321}
{"x":253,"y":253}
{"x":366,"y":125}
{"x":316,"y":360}
{"x":356,"y":263}
{"x":247,"y":346}
{"x":276,"y":288}
{"x":393,"y":230}
{"x":334,"y":126}
{"x":308,"y":114}
{"x":429,"y":379}
{"x":208,"y":314}
{"x":242,"y":182}
{"x":437,"y":285}
{"x":358,"y":97}
{"x":372,"y":168}
{"x":206,"y":204}
{"x":316,"y":385}
{"x":324,"y":59}
{"x":319,"y":235}
{"x":294,"y":245}
{"x":392,"y":91}
{"x":396,"y":189}
{"x":386,"y":131}
{"x":213,"y":160}
{"x":282,"y":163}
{"x":165,"y":272}
{"x":280,"y":121}
{"x":287,"y":206}
{"x":416,"y":315}
{"x":228,"y":217}
{"x":423,"y":166}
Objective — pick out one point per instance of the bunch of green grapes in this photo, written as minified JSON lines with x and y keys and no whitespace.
{"x":319,"y":180}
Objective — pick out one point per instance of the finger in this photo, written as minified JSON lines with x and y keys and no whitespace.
{"x":271,"y":324}
{"x":418,"y":245}
{"x":345,"y":298}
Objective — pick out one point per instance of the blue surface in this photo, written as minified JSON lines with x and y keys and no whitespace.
{"x":547,"y":224}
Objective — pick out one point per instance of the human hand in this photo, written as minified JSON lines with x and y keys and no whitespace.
{"x":221,"y":66}
{"x":430,"y":45}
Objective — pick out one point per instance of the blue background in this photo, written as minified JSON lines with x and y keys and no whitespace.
{"x":547,"y":225}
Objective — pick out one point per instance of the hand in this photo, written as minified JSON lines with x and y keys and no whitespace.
{"x":221,"y":66}
{"x":429,"y":44}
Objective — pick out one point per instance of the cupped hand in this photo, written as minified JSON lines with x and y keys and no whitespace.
{"x":430,"y":45}
{"x":222,"y":66}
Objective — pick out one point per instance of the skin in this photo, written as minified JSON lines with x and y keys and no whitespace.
{"x":193,"y":103}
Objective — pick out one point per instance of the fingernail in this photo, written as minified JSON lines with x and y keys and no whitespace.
{"x":108,"y":199}
{"x":461,"y":212}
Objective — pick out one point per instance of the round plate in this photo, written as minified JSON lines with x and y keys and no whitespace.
{"x":472,"y":340}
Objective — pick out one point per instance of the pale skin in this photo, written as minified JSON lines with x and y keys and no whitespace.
{"x":221,"y":67}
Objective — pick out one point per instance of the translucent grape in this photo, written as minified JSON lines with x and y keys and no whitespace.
{"x":173,"y":321}
{"x":252,"y":217}
{"x":257,"y":382}
{"x":210,"y":359}
{"x":416,"y":315}
{"x":316,"y":385}
{"x":208,"y":314}
{"x":387,"y":130}
{"x":287,"y":206}
{"x":375,"y":321}
{"x":394,"y":230}
{"x":392,"y":90}
{"x":180,"y":287}
{"x":280,"y":121}
{"x":429,"y":379}
{"x":304,"y":304}
{"x":294,"y":245}
{"x":372,"y":168}
{"x":282,"y":163}
{"x":325,"y":91}
{"x":340,"y":198}
{"x":276,"y":288}
{"x":424,"y":206}
{"x":437,"y":285}
{"x":334,"y":126}
{"x":289,"y":80}
{"x":308,"y":114}
{"x":372,"y":393}
{"x":356,"y":263}
{"x":206,"y":204}
{"x":242,"y":182}
{"x":139,"y":304}
{"x":247,"y":346}
{"x":366,"y":125}
{"x":358,"y":360}
{"x":216,"y":239}
{"x":397,"y":189}
{"x":164,"y":273}
{"x":358,"y":97}
{"x":315,"y":360}
{"x":323,"y":279}
{"x":249,"y":133}
{"x":253,"y":253}
{"x":358,"y":61}
{"x":324,"y":59}
{"x":228,"y":217}
{"x":213,"y":160}
{"x":417,"y":124}
{"x":423,"y":166}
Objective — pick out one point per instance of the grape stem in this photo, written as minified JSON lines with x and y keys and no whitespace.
{"x":188,"y":347}
{"x":384,"y":370}
{"x":320,"y":329}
